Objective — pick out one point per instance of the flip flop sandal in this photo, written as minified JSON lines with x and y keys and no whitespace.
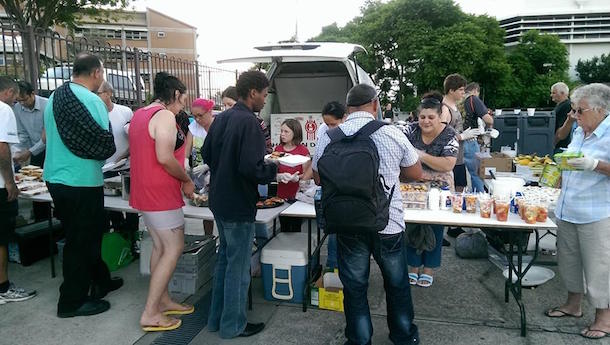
{"x":562,"y":313}
{"x":159,"y":328}
{"x":584,"y":333}
{"x":413,"y":278}
{"x":190,"y":310}
{"x":425,"y":280}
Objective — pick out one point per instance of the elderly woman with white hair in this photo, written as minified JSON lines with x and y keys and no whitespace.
{"x":583,"y":212}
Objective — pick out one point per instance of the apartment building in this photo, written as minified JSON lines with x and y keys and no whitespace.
{"x":583,"y":26}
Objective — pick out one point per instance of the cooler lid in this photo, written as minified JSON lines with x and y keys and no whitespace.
{"x":286,"y":248}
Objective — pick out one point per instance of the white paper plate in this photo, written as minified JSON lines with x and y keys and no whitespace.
{"x":293,"y":160}
{"x":536,"y":275}
{"x":113,"y":165}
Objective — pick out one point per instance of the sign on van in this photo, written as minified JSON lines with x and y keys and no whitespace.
{"x":310,"y":123}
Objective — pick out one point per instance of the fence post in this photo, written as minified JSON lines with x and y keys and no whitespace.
{"x":209,"y":84}
{"x":30,"y":56}
{"x":197,"y":80}
{"x":236,"y":76}
{"x":138,"y":77}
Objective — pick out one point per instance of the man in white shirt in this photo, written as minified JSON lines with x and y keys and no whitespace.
{"x":8,"y":190}
{"x":29,"y":113}
{"x":120,"y":116}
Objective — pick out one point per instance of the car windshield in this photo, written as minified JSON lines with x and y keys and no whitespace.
{"x":58,"y":73}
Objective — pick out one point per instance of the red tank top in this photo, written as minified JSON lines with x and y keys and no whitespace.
{"x":152,"y":188}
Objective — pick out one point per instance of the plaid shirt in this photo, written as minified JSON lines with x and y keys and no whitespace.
{"x":394,"y":150}
{"x":585,"y":195}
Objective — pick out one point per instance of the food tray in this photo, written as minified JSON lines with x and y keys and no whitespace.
{"x":414,"y":192}
{"x":414,"y":205}
{"x":268,"y":204}
{"x":293,"y":160}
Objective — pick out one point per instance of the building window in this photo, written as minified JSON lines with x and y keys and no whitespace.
{"x":161,"y":34}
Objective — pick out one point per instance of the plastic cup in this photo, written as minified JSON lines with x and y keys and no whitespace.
{"x":542,"y":212}
{"x":521,"y":202}
{"x":531,"y":213}
{"x":471,"y":203}
{"x":502,"y":208}
{"x":457,"y":200}
{"x":485,"y":205}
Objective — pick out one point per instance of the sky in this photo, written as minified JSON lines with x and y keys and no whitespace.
{"x":228,"y":27}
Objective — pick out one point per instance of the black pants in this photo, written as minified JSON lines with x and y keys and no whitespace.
{"x":8,"y":212}
{"x":81,"y":211}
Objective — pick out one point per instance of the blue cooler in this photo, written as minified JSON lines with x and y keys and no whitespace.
{"x":284,"y":266}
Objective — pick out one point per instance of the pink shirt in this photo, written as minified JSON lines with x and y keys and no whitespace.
{"x":152,"y":188}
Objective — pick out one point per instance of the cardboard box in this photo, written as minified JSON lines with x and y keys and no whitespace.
{"x":495,"y":162}
{"x":327,"y":292}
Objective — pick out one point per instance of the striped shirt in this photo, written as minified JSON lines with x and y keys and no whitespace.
{"x":585,"y":195}
{"x":394,"y":150}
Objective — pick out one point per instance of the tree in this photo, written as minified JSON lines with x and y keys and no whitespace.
{"x":538,"y":62}
{"x":595,"y":70}
{"x":27,"y":15}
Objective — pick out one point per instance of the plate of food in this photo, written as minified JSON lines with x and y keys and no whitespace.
{"x":275,"y":155}
{"x":199,"y":200}
{"x":113,"y":165}
{"x":293,"y":160}
{"x":270,"y":202}
{"x":31,"y":173}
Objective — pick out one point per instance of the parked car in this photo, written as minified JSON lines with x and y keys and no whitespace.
{"x":303,"y":78}
{"x":123,"y":83}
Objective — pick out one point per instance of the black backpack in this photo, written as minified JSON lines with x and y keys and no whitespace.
{"x":353,"y":191}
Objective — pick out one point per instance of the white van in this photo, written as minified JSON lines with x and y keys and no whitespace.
{"x":304,"y":77}
{"x":123,"y":83}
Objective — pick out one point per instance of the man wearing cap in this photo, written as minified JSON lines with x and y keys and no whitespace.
{"x":397,"y":157}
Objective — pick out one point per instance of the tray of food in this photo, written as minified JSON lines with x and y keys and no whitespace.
{"x":414,"y":192}
{"x":199,"y":200}
{"x":287,"y":159}
{"x":31,"y":173}
{"x":270,"y":202}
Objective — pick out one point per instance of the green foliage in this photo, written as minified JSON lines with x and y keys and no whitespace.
{"x":46,"y":13}
{"x":537,"y":63}
{"x":413,"y":44}
{"x":595,"y":70}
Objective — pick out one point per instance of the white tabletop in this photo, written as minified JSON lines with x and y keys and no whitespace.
{"x":116,"y":203}
{"x":304,"y":210}
{"x":300,"y":210}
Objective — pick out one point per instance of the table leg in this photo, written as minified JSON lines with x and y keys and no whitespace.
{"x":516,"y":287}
{"x":51,"y":242}
{"x":309,"y":267}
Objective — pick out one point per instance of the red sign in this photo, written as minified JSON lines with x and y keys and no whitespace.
{"x":310,"y":128}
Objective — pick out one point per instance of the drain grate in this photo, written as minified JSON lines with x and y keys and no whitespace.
{"x":191,"y":325}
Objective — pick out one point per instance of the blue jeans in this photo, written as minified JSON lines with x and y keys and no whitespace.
{"x":471,"y":147}
{"x":429,"y":259}
{"x":331,"y":259}
{"x":231,"y":279}
{"x":354,"y":266}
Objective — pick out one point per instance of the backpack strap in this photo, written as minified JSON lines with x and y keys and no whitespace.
{"x":371,"y":128}
{"x":335,"y":134}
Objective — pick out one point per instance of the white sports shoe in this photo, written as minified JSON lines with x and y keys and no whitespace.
{"x":15,"y":294}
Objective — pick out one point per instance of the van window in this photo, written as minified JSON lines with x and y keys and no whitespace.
{"x":58,"y":73}
{"x":307,"y":86}
{"x":120,"y":82}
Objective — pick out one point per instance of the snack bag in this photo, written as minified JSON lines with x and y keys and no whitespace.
{"x":562,"y":159}
{"x":551,"y":176}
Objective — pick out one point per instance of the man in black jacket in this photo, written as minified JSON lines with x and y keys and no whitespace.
{"x":234,"y":149}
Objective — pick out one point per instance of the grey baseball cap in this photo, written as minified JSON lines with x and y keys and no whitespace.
{"x":360,"y":94}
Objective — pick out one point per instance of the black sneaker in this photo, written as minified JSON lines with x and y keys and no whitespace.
{"x":252,"y":329}
{"x":92,"y":307}
{"x":446,"y":243}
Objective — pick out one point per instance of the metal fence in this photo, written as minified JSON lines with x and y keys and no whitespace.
{"x":48,"y":64}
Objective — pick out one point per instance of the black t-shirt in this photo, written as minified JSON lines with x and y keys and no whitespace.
{"x":474,"y":108}
{"x":561,"y":114}
{"x":388,"y":114}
